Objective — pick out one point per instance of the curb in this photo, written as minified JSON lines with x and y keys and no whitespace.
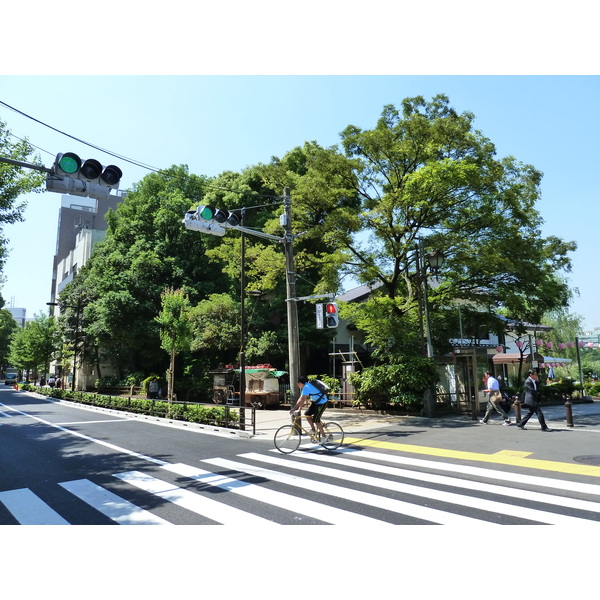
{"x":201,"y":428}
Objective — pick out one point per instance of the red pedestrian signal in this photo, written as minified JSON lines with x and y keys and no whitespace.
{"x":332,"y":318}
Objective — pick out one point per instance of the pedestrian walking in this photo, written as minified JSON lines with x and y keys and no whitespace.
{"x":531,"y":400}
{"x":494,"y":399}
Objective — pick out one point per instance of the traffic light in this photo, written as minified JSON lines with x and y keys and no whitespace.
{"x":208,"y":219}
{"x":90,"y":170}
{"x":71,"y":175}
{"x":332,"y":318}
{"x":194,"y":221}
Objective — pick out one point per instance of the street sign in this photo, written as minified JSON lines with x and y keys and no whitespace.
{"x":320,"y":319}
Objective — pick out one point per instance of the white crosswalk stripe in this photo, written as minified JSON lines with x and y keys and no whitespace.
{"x":433,"y":494}
{"x":29,"y":509}
{"x":332,"y":515}
{"x":397,"y":488}
{"x":391,"y":504}
{"x":116,"y":508}
{"x":222,"y":513}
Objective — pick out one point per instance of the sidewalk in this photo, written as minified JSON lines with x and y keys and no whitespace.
{"x":586,"y":417}
{"x":352,"y":420}
{"x":449,"y":434}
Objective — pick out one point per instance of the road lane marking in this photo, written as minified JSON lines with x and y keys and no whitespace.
{"x":212,"y":509}
{"x":317,"y":510}
{"x":89,"y":438}
{"x":512,"y":492}
{"x":491,"y":506}
{"x":98,"y":421}
{"x":29,"y":509}
{"x":114,"y":507}
{"x":503,"y":457}
{"x":561,"y":484}
{"x":423,"y":513}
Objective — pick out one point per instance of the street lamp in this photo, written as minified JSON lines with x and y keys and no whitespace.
{"x":435,"y":261}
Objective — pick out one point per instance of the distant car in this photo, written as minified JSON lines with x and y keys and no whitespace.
{"x":11,"y":379}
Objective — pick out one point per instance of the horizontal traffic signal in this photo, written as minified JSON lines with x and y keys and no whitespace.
{"x":69,"y":164}
{"x":208,"y":219}
{"x":71,"y":175}
{"x":192,"y":222}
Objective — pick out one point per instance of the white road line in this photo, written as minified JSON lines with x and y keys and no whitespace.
{"x":111,"y":505}
{"x":98,"y":421}
{"x":559,"y":484}
{"x":217,"y":511}
{"x":302,"y":506}
{"x":439,"y":495}
{"x":336,"y":460}
{"x":90,"y":439}
{"x":391,"y":504}
{"x":29,"y":509}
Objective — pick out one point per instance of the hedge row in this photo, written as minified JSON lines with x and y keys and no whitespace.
{"x":193,"y":413}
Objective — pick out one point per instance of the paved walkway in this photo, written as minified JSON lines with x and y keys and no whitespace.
{"x":586,"y":417}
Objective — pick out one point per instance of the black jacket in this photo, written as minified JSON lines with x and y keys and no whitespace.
{"x":532,"y":394}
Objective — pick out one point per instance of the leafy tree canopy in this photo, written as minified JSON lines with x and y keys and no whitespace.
{"x":14,"y":182}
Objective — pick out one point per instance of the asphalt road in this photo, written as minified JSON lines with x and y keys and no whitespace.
{"x":64,"y":464}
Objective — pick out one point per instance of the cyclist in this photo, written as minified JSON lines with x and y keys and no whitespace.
{"x":317,"y":407}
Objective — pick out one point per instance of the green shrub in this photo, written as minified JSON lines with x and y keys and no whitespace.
{"x":192,"y":413}
{"x":400,"y":385}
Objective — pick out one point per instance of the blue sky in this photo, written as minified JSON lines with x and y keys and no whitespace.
{"x":219,"y":123}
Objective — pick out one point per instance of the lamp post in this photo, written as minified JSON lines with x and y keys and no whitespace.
{"x":435,"y":261}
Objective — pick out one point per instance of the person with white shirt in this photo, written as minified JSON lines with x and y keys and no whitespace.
{"x":494,"y":399}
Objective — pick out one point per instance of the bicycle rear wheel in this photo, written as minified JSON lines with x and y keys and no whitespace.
{"x":287,"y":439}
{"x":334,"y":436}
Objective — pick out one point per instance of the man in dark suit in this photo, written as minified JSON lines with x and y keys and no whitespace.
{"x":532,"y":402}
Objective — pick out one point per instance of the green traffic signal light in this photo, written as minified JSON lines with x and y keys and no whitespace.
{"x":206,"y":212}
{"x":69,"y":163}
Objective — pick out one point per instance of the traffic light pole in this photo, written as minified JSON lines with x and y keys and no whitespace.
{"x":18,"y":163}
{"x":203,"y":220}
{"x":243,"y":331}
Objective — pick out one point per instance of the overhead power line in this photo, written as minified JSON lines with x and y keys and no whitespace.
{"x":120,"y":156}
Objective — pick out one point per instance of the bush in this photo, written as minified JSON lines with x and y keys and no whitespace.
{"x":400,"y":385}
{"x":192,"y":413}
{"x":553,"y":392}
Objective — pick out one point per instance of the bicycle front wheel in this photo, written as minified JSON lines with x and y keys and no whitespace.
{"x":334,"y":436}
{"x":287,"y":439}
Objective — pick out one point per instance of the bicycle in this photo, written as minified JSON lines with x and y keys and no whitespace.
{"x":287,"y":437}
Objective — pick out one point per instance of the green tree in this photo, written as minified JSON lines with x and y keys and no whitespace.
{"x":146,"y":250}
{"x":36,"y":345}
{"x":8,"y":326}
{"x":14,"y":182}
{"x":175,"y":329}
{"x":424,"y":176}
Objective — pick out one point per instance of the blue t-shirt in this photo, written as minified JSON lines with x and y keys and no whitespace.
{"x":313,"y":393}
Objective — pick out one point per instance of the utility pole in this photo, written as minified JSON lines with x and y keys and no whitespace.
{"x":292,"y":307}
{"x":243,"y":329}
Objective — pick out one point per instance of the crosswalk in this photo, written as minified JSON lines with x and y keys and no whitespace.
{"x":351,"y":487}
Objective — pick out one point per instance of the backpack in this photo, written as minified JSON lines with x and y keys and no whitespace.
{"x":322,"y":387}
{"x":506,"y":402}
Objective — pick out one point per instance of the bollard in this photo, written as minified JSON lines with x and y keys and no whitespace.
{"x":474,"y":410}
{"x":517,"y":409}
{"x":569,"y":411}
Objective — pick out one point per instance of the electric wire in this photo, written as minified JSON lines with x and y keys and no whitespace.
{"x":123,"y":158}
